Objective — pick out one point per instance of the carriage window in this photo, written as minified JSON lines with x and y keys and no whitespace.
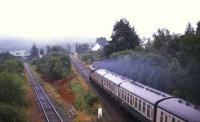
{"x":136,"y":102}
{"x":161,"y":117}
{"x":131,"y":98}
{"x":165,"y":118}
{"x":148,"y":110}
{"x":122,"y":94}
{"x":115,"y":89}
{"x":140,"y":102}
{"x":144,"y":107}
{"x":119,"y":93}
{"x":127,"y":97}
{"x":173,"y":119}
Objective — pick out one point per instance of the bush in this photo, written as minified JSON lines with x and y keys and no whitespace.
{"x":10,"y":64}
{"x":13,"y":66}
{"x":90,"y":98}
{"x":9,"y":113}
{"x":80,"y":102}
{"x":11,"y":91}
{"x":55,"y":64}
{"x":84,"y":100}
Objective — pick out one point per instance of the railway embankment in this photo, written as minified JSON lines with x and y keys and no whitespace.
{"x":73,"y":95}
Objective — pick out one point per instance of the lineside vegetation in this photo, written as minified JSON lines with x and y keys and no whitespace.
{"x":12,"y":94}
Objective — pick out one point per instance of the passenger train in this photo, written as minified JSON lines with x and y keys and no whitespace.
{"x":149,"y":104}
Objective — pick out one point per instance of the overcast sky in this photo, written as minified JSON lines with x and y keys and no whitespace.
{"x":46,"y":19}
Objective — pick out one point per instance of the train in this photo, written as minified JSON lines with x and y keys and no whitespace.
{"x":147,"y":103}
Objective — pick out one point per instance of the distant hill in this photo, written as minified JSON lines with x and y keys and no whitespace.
{"x":13,"y":44}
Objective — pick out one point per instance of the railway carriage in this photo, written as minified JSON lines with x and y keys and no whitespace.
{"x":140,"y":98}
{"x":148,"y":104}
{"x":111,"y":82}
{"x":97,"y":76}
{"x":177,"y":110}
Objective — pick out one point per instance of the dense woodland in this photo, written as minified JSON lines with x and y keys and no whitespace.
{"x":176,"y":55}
{"x":55,"y":64}
{"x":12,"y":93}
{"x":179,"y":55}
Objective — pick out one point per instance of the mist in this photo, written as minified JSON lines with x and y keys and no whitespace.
{"x":14,"y":43}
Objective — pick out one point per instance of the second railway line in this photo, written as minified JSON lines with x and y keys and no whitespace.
{"x":49,"y":110}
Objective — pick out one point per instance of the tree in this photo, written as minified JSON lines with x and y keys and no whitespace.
{"x":82,"y":48}
{"x":34,"y":52}
{"x":198,"y":28}
{"x":42,"y":51}
{"x":161,"y":39}
{"x":148,"y":45}
{"x":102,"y":41}
{"x":68,"y":48}
{"x":10,"y":64}
{"x":56,"y":64}
{"x":164,"y":42}
{"x":189,"y":30}
{"x":11,"y":91}
{"x":123,"y":37}
{"x":47,"y":48}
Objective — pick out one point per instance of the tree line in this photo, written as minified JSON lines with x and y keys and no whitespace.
{"x":180,"y":52}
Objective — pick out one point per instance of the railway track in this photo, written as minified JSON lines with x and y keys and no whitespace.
{"x":82,"y":68}
{"x":117,"y":113}
{"x":48,"y":108}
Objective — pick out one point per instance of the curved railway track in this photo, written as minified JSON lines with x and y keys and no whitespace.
{"x":48,"y":108}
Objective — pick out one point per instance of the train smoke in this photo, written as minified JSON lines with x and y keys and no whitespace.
{"x":149,"y":71}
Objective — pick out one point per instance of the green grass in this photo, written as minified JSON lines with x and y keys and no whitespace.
{"x":85,"y":100}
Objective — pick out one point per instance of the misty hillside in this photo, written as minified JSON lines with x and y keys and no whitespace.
{"x":13,"y":44}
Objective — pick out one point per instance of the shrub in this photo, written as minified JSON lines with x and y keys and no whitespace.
{"x":11,"y":91}
{"x":10,"y":113}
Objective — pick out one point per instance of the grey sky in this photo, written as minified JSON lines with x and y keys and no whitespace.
{"x":46,"y":19}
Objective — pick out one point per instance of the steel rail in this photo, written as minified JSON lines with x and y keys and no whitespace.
{"x":43,"y":99}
